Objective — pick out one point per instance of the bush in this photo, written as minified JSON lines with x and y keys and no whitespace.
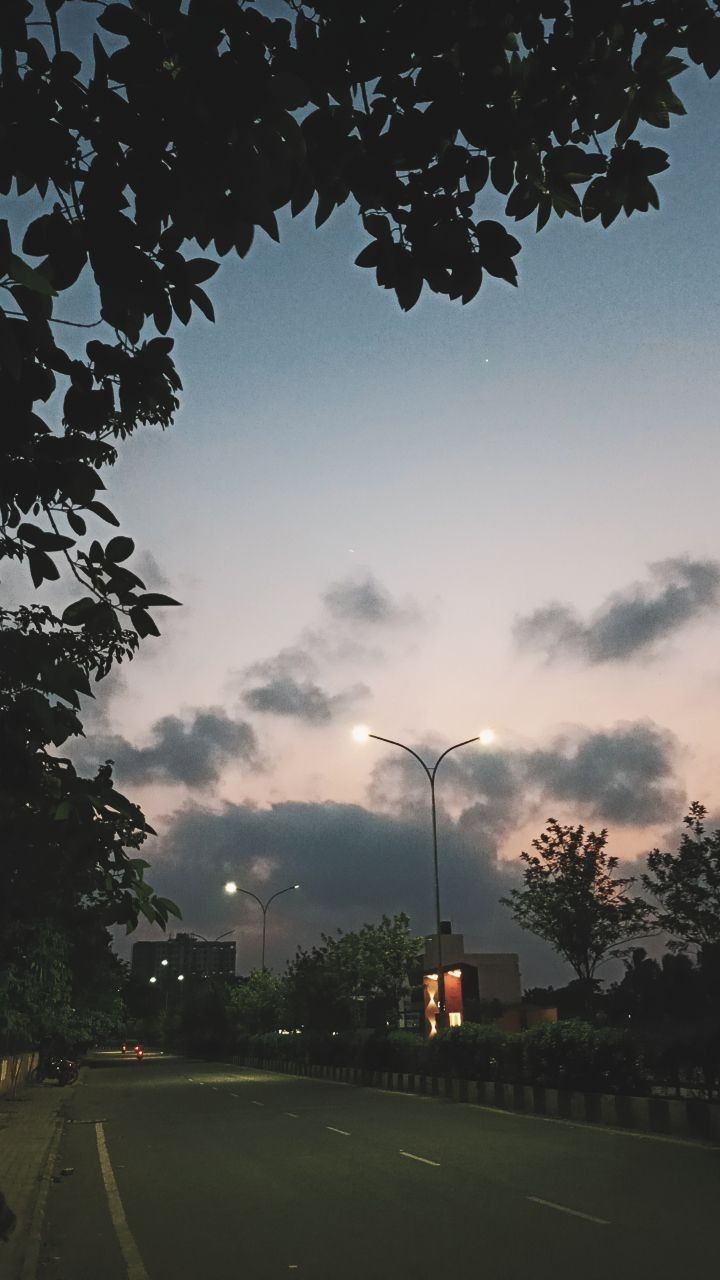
{"x":577,"y":1055}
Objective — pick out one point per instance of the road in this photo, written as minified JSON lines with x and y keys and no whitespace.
{"x":182,"y":1169}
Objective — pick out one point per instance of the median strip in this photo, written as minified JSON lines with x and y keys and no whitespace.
{"x":332,"y":1129}
{"x":409,"y":1156}
{"x":574,"y":1213}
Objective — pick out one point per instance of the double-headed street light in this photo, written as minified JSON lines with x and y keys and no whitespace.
{"x":231,"y":887}
{"x":486,"y":737}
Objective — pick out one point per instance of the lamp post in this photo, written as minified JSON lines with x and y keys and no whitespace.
{"x":231,"y":887}
{"x":361,"y":733}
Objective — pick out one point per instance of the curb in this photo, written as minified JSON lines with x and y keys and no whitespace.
{"x":684,"y":1119}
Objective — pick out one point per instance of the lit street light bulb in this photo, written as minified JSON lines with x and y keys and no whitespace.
{"x":153,"y":979}
{"x":164,"y":962}
{"x":361,"y":733}
{"x":231,"y":887}
{"x":486,"y":737}
{"x":181,"y":977}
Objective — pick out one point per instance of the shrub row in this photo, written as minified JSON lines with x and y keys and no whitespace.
{"x":567,"y":1055}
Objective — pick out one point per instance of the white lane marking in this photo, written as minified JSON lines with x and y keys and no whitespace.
{"x":234,"y":1095}
{"x":128,"y":1247}
{"x":575,"y":1213}
{"x":332,"y":1129}
{"x":294,"y":1114}
{"x":409,"y":1155}
{"x":253,"y":1103}
{"x":214,"y":1088}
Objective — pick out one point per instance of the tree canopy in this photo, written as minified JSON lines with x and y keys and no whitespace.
{"x":572,"y":899}
{"x":686,"y":885}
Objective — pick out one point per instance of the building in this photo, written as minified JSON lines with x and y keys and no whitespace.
{"x":186,"y":954}
{"x":487,"y":975}
{"x":473,"y":982}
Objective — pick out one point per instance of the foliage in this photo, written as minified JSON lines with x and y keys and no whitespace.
{"x":260,"y":1003}
{"x":573,"y":901}
{"x":686,"y":885}
{"x":354,"y":977}
{"x":59,"y":988}
{"x":414,"y":111}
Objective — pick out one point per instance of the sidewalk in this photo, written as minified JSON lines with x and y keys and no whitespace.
{"x":28,"y":1126}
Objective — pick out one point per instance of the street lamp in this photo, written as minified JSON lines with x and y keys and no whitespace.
{"x":231,"y":888}
{"x":486,"y":737}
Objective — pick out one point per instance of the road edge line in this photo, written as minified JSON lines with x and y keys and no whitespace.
{"x":130,"y":1252}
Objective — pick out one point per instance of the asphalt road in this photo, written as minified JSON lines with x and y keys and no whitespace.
{"x":183,"y":1169}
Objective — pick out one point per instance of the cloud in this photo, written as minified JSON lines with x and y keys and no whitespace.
{"x":352,"y":864}
{"x":301,"y":699}
{"x":365,"y":600}
{"x":290,"y":680}
{"x":623,"y":776}
{"x":192,"y":752}
{"x":630,"y":623}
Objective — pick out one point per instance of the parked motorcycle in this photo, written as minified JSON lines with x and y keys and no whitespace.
{"x":64,"y":1070}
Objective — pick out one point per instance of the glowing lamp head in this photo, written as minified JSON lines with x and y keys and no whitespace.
{"x":360,"y":733}
{"x":296,"y":886}
{"x":231,"y":887}
{"x":486,"y":737}
{"x":181,"y":977}
{"x":153,"y":979}
{"x":164,"y":962}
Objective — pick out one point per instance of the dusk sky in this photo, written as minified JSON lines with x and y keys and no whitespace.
{"x":500,"y":515}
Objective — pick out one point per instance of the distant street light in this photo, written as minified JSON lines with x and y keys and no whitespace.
{"x":164,"y":962}
{"x":485,"y":737}
{"x":153,"y":979}
{"x":231,"y":888}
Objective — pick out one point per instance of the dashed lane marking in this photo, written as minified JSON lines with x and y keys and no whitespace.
{"x":332,"y":1129}
{"x":294,"y":1114}
{"x":574,"y":1213}
{"x":133,"y":1261}
{"x":409,"y":1156}
{"x":253,"y":1103}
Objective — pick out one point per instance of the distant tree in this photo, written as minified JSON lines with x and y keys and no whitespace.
{"x":572,"y":900}
{"x":260,"y":1003}
{"x":334,"y":986}
{"x":686,"y":885}
{"x":373,"y":963}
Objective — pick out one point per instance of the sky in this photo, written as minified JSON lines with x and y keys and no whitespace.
{"x":499,"y":515}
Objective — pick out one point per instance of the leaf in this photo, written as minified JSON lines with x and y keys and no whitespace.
{"x":30,"y":277}
{"x":44,"y":540}
{"x":199,"y":269}
{"x":202,"y":301}
{"x":79,"y":611}
{"x":76,"y":522}
{"x":153,"y":600}
{"x":143,"y":623}
{"x":370,"y":255}
{"x":42,"y":567}
{"x":119,"y":549}
{"x":99,"y":509}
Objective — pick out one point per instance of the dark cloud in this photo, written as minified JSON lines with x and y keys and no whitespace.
{"x":365,"y":600}
{"x":630,"y":623}
{"x":192,"y":752}
{"x":352,"y":864}
{"x":301,"y":699}
{"x":623,"y":776}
